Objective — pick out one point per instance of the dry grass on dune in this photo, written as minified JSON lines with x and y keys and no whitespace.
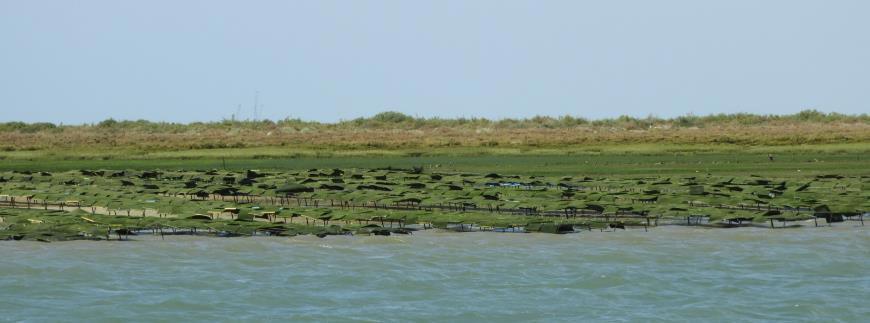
{"x":396,"y":131}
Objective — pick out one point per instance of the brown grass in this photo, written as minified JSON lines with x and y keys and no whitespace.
{"x":350,"y":138}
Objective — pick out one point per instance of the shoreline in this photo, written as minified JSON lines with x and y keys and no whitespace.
{"x":412,"y":230}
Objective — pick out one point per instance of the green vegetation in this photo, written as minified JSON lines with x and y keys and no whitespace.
{"x":613,"y":161}
{"x":390,"y":199}
{"x":55,"y":225}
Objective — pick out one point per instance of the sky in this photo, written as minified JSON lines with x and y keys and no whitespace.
{"x":181,"y":61}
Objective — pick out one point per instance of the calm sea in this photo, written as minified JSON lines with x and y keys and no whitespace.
{"x":667,"y":274}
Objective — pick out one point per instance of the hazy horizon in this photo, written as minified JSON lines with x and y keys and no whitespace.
{"x":87,"y":61}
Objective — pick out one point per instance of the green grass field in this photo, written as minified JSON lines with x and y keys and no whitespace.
{"x":638,"y":160}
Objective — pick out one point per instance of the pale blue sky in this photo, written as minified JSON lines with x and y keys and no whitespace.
{"x":85,"y":61}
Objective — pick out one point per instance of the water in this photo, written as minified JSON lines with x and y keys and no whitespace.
{"x":668,"y":274}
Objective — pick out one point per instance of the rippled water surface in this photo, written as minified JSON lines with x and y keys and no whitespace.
{"x":668,"y":274}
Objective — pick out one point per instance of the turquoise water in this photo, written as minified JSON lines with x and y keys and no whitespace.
{"x":668,"y":274}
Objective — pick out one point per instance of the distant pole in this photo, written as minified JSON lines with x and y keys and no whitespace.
{"x":256,"y":103}
{"x":224,"y":159}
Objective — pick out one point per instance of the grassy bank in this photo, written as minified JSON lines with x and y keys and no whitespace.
{"x":533,"y":173}
{"x":792,"y":161}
